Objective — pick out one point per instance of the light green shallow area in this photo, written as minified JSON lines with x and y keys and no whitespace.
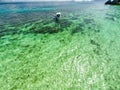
{"x":84,"y":56}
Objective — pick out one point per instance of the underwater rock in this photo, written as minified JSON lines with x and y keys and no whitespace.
{"x":77,"y":29}
{"x":96,"y":51}
{"x":94,"y":43}
{"x":97,"y":30}
{"x":65,"y":23}
{"x":49,"y":26}
{"x":74,"y":18}
{"x":45,"y":22}
{"x":46,"y":29}
{"x":32,"y":28}
{"x":62,"y":40}
{"x":88,"y":21}
{"x":112,"y":17}
{"x":7,"y":32}
{"x":113,"y":2}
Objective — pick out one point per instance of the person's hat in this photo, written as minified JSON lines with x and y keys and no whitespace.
{"x":58,"y":13}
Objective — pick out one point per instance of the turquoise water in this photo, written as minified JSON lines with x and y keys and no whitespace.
{"x":17,"y":15}
{"x":81,"y":52}
{"x":21,"y":13}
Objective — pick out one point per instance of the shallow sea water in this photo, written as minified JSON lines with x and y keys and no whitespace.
{"x":81,"y":52}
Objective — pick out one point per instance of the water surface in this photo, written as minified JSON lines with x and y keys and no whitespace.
{"x":81,"y":52}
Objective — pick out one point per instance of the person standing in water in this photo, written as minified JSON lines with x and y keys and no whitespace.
{"x":57,"y":20}
{"x":57,"y":17}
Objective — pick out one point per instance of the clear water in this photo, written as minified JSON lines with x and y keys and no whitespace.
{"x":30,"y":11}
{"x":81,"y":52}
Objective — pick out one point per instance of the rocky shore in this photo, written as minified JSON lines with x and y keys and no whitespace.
{"x":113,"y":2}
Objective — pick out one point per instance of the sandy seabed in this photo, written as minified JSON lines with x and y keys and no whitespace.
{"x":81,"y":53}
